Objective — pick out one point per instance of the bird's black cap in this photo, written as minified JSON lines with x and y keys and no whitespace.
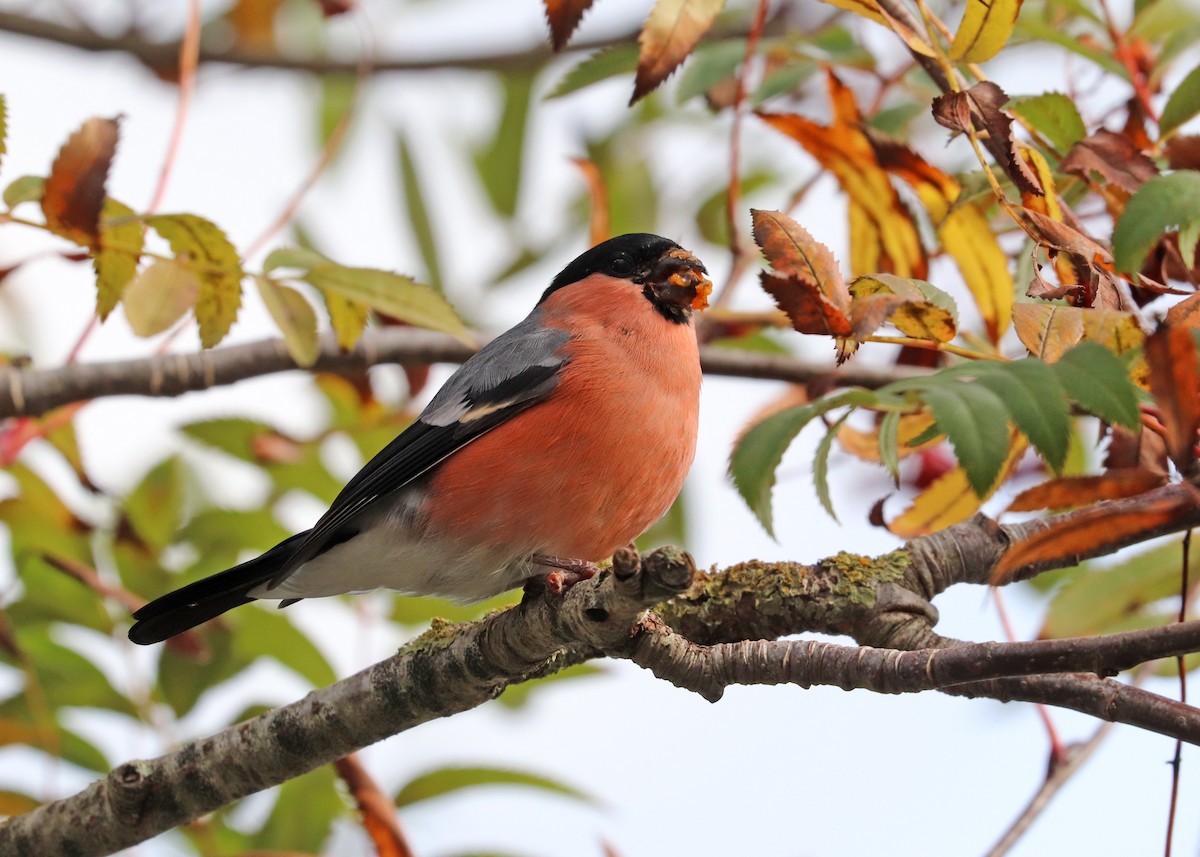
{"x":624,"y":257}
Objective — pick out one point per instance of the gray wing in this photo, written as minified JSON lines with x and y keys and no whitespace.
{"x":512,"y":372}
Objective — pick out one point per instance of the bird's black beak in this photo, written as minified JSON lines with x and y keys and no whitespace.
{"x":679,"y":279}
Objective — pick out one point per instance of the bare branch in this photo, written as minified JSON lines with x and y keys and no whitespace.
{"x":32,"y":392}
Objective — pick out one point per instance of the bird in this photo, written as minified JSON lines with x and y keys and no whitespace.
{"x":557,"y":443}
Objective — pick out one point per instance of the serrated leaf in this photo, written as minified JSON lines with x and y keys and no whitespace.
{"x":159,"y":296}
{"x":1054,"y":115}
{"x":119,"y":251}
{"x":394,"y":294}
{"x":201,"y":246}
{"x":1096,"y":378}
{"x":269,"y":634}
{"x":516,"y":696}
{"x":976,"y":423}
{"x":1182,"y":105}
{"x":498,"y":164}
{"x":295,"y":318}
{"x":1175,"y":382}
{"x":821,"y":465}
{"x":24,"y":189}
{"x":155,"y":506}
{"x":73,"y":195}
{"x":563,"y":16}
{"x":919,"y":309}
{"x":758,"y":452}
{"x":451,"y":779}
{"x":301,"y":258}
{"x":600,"y":65}
{"x":1163,"y":203}
{"x":418,"y":214}
{"x":348,"y":318}
{"x":1037,"y":403}
{"x":670,"y":33}
{"x":710,"y":65}
{"x":985,"y":28}
{"x":1050,"y":330}
{"x":1071,"y":491}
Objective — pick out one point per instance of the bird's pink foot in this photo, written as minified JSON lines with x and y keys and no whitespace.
{"x":567,"y":572}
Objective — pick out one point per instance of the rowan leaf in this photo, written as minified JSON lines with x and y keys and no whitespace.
{"x":154,"y":508}
{"x":563,"y":16}
{"x":1111,"y":156}
{"x":159,"y":296}
{"x":711,"y":65}
{"x":923,"y":311}
{"x":3,"y":127}
{"x":1069,"y":491}
{"x":1175,"y":383}
{"x":447,"y":780}
{"x":1182,"y":104}
{"x":951,"y":498}
{"x":670,"y":33}
{"x":975,"y":420}
{"x":1050,"y":330}
{"x":1036,"y":402}
{"x":1054,"y":115}
{"x":119,"y":250}
{"x":74,"y":194}
{"x":1162,"y":204}
{"x":1092,"y":531}
{"x":821,"y":464}
{"x":418,"y":214}
{"x":201,"y":247}
{"x":24,"y":189}
{"x":980,"y":106}
{"x":295,"y":318}
{"x":807,"y":284}
{"x":394,"y":294}
{"x":985,"y":28}
{"x":347,"y":317}
{"x":1097,"y":379}
{"x":498,"y":163}
{"x":597,"y":66}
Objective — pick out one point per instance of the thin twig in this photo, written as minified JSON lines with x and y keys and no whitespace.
{"x":189,"y":57}
{"x":1177,"y":759}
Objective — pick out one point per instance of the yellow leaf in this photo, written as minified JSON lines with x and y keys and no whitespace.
{"x":118,"y":252}
{"x":985,"y":28}
{"x":159,"y":296}
{"x":201,"y":246}
{"x":295,"y":317}
{"x":865,"y":445}
{"x":971,"y":243}
{"x":347,"y":317}
{"x":951,"y":499}
{"x":672,"y":30}
{"x":1050,"y":330}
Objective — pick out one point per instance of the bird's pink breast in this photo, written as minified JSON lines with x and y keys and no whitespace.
{"x":593,"y":466}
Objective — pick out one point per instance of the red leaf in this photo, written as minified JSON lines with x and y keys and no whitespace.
{"x":563,"y":16}
{"x":1175,"y":383}
{"x":1084,"y":490}
{"x":74,"y":191}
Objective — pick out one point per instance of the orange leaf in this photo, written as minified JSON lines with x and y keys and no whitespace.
{"x":1186,"y":313}
{"x":672,"y":30}
{"x":74,"y":191}
{"x":563,"y":16}
{"x":1095,"y":531}
{"x":1050,"y":330}
{"x":1175,"y":383}
{"x":378,"y":812}
{"x":253,"y":23}
{"x":807,"y":284}
{"x":1084,"y":490}
{"x":598,"y":223}
{"x":951,"y":499}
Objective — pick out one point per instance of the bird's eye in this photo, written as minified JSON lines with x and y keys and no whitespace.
{"x":621,"y":266}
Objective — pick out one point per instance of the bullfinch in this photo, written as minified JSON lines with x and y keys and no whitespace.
{"x":559,"y":442}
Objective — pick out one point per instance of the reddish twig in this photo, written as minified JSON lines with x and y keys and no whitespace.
{"x":189,"y":58}
{"x":1177,"y":760}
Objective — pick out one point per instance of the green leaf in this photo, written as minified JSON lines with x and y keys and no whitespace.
{"x":498,"y":164}
{"x":1162,"y":204}
{"x":670,"y":529}
{"x":295,"y":318}
{"x":24,"y":189}
{"x":758,"y":452}
{"x":222,"y":536}
{"x":233,"y":435}
{"x":301,"y":258}
{"x":710,"y":64}
{"x":821,"y":465}
{"x":159,"y":296}
{"x":3,"y":127}
{"x":18,"y":726}
{"x":67,"y":678}
{"x":1096,"y":378}
{"x":1035,"y":29}
{"x":396,"y":295}
{"x":418,"y":214}
{"x":183,"y":679}
{"x":516,"y":696}
{"x":269,"y":634}
{"x":976,"y":423}
{"x":1054,"y":115}
{"x":303,"y":815}
{"x":121,"y":242}
{"x":337,"y":96}
{"x":201,"y":247}
{"x":155,"y":507}
{"x":50,"y":595}
{"x":1037,"y":402}
{"x":601,"y":65}
{"x":1182,"y":105}
{"x":889,"y":443}
{"x":447,"y":780}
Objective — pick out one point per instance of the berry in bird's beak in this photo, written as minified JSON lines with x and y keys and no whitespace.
{"x":680,"y":278}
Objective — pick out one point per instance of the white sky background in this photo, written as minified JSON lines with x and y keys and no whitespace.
{"x":767,"y":771}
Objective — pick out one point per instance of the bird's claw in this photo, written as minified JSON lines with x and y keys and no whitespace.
{"x":567,"y":572}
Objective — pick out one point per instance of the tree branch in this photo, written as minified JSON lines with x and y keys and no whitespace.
{"x":32,"y":392}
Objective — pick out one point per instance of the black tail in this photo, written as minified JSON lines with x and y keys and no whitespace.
{"x":198,"y":602}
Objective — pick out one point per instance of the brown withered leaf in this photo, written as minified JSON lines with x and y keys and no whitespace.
{"x":1186,"y":313}
{"x":1061,"y":236}
{"x":1090,"y":532}
{"x":670,"y":33}
{"x":1085,"y":490}
{"x":1183,"y":152}
{"x":74,"y":191}
{"x":564,"y":16}
{"x":807,"y":284}
{"x":1048,"y":330}
{"x":1175,"y":383}
{"x":1113,"y":157}
{"x":253,"y":23}
{"x":1145,"y":450}
{"x":981,"y":106}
